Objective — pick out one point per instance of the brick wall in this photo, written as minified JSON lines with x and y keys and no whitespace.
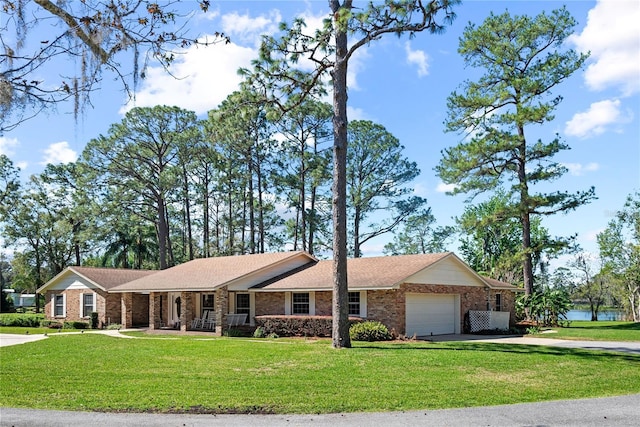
{"x":140,"y":310}
{"x":324,"y":303}
{"x":269,"y":303}
{"x":73,"y":308}
{"x":388,"y":307}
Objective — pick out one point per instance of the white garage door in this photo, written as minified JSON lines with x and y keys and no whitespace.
{"x":431,"y":314}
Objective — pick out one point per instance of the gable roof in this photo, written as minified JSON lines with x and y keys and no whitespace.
{"x":385,"y":272}
{"x":497,"y":284}
{"x":103,"y":278}
{"x":210,"y":273}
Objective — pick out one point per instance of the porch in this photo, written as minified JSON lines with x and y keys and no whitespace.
{"x":215,"y":311}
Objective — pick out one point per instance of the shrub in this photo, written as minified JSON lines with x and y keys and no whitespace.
{"x":51,"y":324}
{"x":94,"y":320}
{"x":75,"y":325}
{"x":114,"y":326}
{"x":369,"y":331}
{"x":21,"y":320}
{"x":259,"y":332}
{"x":298,"y":326}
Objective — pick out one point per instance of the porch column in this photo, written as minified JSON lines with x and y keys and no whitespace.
{"x":186,"y":316}
{"x":154,"y":310}
{"x":222,"y":307}
{"x":126,"y":304}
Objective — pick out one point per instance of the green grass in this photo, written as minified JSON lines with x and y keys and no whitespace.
{"x":167,"y":373}
{"x":597,"y":331}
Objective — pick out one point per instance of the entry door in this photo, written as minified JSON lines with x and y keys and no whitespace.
{"x":175,"y":307}
{"x":431,"y":314}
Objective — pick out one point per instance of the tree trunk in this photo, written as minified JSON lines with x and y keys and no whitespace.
{"x":162,"y":232}
{"x":340,"y":332}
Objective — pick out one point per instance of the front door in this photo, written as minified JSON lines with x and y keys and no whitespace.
{"x":175,"y":308}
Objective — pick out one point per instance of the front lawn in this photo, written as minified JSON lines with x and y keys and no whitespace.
{"x":226,"y":375}
{"x":597,"y":331}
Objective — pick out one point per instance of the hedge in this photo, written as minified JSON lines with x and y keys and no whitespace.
{"x":298,"y":326}
{"x":21,"y":320}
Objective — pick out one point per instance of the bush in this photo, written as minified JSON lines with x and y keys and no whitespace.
{"x":75,"y":325}
{"x":259,"y":332}
{"x":21,"y":320}
{"x":369,"y":331}
{"x":114,"y":326}
{"x":51,"y":324}
{"x":298,"y":326}
{"x":94,"y":320}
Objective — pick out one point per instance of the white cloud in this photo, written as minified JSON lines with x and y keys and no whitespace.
{"x":59,"y":152}
{"x":598,"y":119}
{"x":418,"y":58}
{"x":578,"y":169}
{"x":245,"y":29}
{"x":8,"y":145}
{"x":203,"y":78}
{"x":445,"y":188}
{"x":612,"y":35}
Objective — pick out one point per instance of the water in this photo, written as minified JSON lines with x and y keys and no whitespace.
{"x":602,"y":315}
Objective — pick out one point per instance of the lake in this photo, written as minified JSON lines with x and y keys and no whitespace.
{"x":602,"y":315}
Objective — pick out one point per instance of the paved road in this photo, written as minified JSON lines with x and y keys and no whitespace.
{"x":610,"y":411}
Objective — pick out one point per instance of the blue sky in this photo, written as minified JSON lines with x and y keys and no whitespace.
{"x":403,"y":85}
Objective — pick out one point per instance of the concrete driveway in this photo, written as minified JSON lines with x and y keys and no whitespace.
{"x":14,"y":339}
{"x":632,"y":347}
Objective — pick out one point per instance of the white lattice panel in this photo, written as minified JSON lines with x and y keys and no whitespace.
{"x":479,"y":320}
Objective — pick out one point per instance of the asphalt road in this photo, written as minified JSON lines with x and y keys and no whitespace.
{"x":609,"y":411}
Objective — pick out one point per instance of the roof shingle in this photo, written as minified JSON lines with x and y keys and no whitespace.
{"x":362,"y":273}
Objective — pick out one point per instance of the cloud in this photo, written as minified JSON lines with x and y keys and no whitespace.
{"x":202,"y":78}
{"x":8,"y":145}
{"x":445,"y":188}
{"x":578,"y":169}
{"x":598,"y":119}
{"x":612,"y":35}
{"x":418,"y":58}
{"x":245,"y":29}
{"x":59,"y":152}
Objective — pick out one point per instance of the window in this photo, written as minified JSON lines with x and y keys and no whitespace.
{"x":88,"y":304}
{"x":243,"y":304}
{"x":58,"y":305}
{"x":207,"y":303}
{"x":498,"y":302}
{"x":354,"y":303}
{"x":300,"y":303}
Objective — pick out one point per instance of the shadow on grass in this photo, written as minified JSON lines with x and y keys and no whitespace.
{"x":630,"y":326}
{"x":596,"y":354}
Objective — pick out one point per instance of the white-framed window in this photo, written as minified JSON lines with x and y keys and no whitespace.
{"x":58,"y":305}
{"x":300,"y":303}
{"x":87,"y":304}
{"x":354,"y":303}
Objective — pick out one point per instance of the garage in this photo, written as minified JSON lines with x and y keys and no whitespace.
{"x":432,"y":314}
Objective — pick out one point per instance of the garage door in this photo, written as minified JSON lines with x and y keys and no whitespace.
{"x":431,"y":314}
